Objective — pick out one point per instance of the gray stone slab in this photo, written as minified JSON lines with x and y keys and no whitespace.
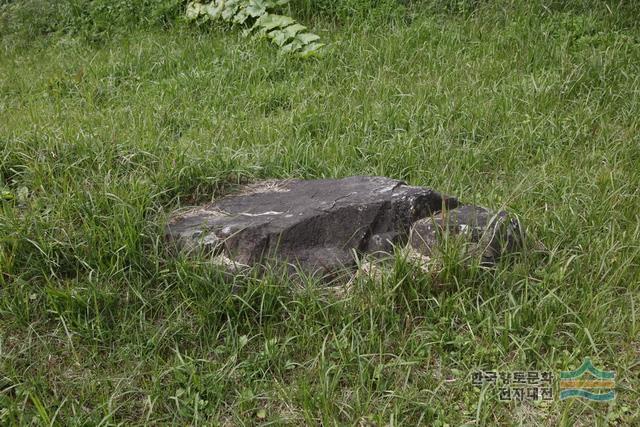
{"x":316,"y":225}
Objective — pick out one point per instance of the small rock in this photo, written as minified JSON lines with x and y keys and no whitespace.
{"x":488,"y":234}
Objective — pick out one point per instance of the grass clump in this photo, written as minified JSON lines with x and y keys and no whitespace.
{"x":503,"y":107}
{"x":93,"y":20}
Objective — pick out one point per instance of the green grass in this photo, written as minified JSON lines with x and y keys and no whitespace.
{"x":528,"y":108}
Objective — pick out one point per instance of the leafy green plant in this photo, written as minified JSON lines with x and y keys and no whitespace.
{"x":258,"y":16}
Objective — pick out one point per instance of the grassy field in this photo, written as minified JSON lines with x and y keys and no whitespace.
{"x":530,"y":108}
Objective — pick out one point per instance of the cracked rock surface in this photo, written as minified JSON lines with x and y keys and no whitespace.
{"x":318,"y":226}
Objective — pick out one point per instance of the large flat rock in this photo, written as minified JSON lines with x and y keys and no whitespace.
{"x":318,"y":226}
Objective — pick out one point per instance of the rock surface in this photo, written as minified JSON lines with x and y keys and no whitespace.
{"x":316,"y":225}
{"x":487,"y":234}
